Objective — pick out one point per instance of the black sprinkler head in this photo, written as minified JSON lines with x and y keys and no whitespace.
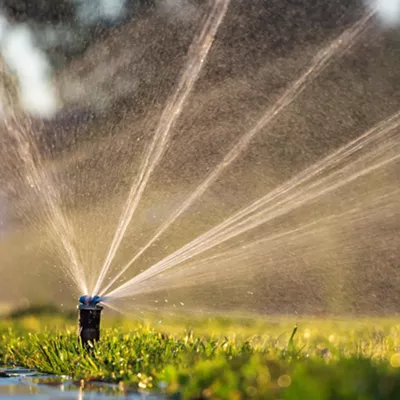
{"x":89,"y":319}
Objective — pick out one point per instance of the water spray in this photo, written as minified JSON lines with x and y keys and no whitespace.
{"x":89,"y":318}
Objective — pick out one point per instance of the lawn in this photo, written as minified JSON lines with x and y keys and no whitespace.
{"x":224,"y":358}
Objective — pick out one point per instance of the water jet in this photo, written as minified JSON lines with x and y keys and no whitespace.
{"x":89,"y":319}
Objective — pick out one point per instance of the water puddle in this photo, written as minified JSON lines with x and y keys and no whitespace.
{"x":22,"y":383}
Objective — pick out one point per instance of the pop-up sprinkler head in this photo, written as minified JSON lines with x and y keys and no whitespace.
{"x":89,"y":319}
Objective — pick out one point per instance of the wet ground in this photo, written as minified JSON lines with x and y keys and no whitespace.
{"x":21,"y":383}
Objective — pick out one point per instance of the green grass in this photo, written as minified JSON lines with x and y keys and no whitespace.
{"x":219,"y":359}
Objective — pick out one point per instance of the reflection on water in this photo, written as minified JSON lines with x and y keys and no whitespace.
{"x":21,"y":383}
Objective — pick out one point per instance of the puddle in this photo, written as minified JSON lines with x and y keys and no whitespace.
{"x":22,"y":383}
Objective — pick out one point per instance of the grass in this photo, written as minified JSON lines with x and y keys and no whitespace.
{"x":219,"y":359}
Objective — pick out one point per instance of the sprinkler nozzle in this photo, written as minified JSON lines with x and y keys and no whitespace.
{"x":89,"y":319}
{"x":90,"y":300}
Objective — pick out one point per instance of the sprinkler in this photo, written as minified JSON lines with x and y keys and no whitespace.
{"x":89,"y":319}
